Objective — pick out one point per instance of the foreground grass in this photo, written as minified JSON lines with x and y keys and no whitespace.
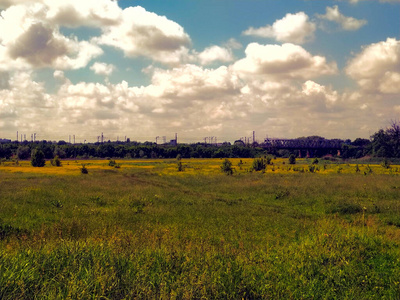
{"x":152,"y":232}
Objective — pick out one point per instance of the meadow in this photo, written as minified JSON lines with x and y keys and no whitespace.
{"x":141,"y":229}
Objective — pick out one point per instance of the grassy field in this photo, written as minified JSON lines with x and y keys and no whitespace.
{"x":144,"y":230}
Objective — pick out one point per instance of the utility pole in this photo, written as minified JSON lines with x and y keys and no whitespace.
{"x":157,"y":137}
{"x":17,"y":136}
{"x":34,"y":137}
{"x":254,"y":137}
{"x":102,"y":138}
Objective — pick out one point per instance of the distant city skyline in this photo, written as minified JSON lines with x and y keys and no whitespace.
{"x":222,"y":69}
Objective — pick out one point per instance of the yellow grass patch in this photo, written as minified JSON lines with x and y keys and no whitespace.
{"x":195,"y":166}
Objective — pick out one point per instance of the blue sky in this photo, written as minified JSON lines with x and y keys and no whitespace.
{"x":200,"y":68}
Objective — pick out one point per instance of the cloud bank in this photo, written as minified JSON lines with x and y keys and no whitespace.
{"x":278,"y":87}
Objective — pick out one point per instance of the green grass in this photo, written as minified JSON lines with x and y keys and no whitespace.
{"x":135,"y":233}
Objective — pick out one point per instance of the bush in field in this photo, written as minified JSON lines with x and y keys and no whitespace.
{"x":112,"y":163}
{"x":347,"y":208}
{"x":37,"y":158}
{"x":84,"y":170}
{"x":385,"y":163}
{"x":312,"y":168}
{"x":56,"y":162}
{"x":292,"y":159}
{"x":259,"y":164}
{"x":240,"y":163}
{"x":8,"y":230}
{"x":226,"y":167}
{"x":179,"y":166}
{"x":368,"y":170}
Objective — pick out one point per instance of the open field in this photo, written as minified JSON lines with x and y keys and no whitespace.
{"x":145,"y":230}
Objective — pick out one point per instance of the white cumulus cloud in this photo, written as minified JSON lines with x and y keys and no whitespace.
{"x":143,"y":33}
{"x":319,"y":96}
{"x":293,"y":28}
{"x":283,"y":61}
{"x":377,"y":67}
{"x":102,"y":68}
{"x":346,"y":23}
{"x":215,"y":54}
{"x":76,"y":13}
{"x":27,"y":40}
{"x":193,"y":82}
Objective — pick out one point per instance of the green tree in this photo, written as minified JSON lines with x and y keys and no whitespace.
{"x":386,"y":143}
{"x":37,"y":158}
{"x":58,"y":151}
{"x":381,"y":144}
{"x":23,"y":152}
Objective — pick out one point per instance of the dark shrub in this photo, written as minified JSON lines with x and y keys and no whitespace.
{"x":37,"y":158}
{"x":56,"y":161}
{"x":347,"y":208}
{"x":227,"y":167}
{"x":84,"y":170}
{"x":292,"y":159}
{"x":259,"y":164}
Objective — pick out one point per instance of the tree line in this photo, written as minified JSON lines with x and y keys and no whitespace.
{"x":383,"y":143}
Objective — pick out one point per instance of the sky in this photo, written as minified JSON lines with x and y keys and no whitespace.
{"x":199,"y":68}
